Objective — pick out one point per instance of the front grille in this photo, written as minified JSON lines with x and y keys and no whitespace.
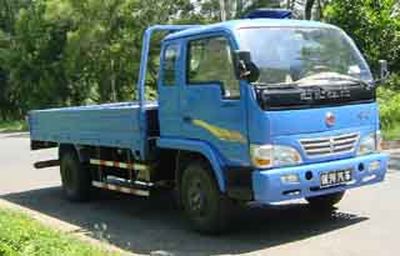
{"x":317,"y":147}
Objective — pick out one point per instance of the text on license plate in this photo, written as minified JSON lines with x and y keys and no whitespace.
{"x":335,"y":177}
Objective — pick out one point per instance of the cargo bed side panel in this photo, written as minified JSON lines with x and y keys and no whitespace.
{"x":114,"y":125}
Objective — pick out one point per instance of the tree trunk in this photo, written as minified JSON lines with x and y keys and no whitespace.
{"x":289,"y":4}
{"x":320,"y":10}
{"x":308,"y":9}
{"x":239,"y":8}
{"x":222,"y":9}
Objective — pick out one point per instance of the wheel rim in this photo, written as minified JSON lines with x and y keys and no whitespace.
{"x":197,"y":198}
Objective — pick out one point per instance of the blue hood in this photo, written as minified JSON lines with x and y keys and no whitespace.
{"x":313,"y":120}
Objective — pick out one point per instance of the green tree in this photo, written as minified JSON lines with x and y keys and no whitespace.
{"x":31,"y":56}
{"x":212,"y":10}
{"x":70,"y":52}
{"x":8,"y":13}
{"x":103,"y":48}
{"x":373,"y":25}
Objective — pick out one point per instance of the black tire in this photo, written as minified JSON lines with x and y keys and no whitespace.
{"x":325,"y":202}
{"x":205,"y":207}
{"x":76,"y":179}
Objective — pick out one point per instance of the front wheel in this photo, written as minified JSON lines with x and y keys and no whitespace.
{"x":202,"y":202}
{"x":325,"y":201}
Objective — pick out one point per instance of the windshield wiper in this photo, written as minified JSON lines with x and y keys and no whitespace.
{"x":336,"y":77}
{"x":361,"y":82}
{"x":284,"y":85}
{"x":313,"y":82}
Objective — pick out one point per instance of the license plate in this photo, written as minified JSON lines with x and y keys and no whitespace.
{"x":334,"y":178}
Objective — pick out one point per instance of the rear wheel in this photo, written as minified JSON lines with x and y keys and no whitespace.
{"x":325,"y":202}
{"x":202,"y":202}
{"x":75,"y":178}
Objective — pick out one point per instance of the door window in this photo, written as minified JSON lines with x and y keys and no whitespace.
{"x":210,"y":61}
{"x":169,"y":65}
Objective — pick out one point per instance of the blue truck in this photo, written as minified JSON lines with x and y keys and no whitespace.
{"x":261,"y":109}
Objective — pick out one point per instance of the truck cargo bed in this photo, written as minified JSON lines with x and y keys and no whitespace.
{"x":109,"y":125}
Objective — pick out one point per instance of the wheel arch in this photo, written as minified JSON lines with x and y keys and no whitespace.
{"x":188,"y":150}
{"x":80,"y":151}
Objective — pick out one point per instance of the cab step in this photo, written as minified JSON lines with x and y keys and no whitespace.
{"x":142,"y":171}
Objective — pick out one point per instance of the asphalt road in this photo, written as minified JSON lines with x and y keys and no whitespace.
{"x":365,"y":223}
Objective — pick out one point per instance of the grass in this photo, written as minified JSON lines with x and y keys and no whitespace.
{"x":13,"y":126}
{"x":21,"y":235}
{"x":392,"y":133}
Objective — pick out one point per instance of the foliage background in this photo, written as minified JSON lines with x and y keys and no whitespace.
{"x":73,"y":52}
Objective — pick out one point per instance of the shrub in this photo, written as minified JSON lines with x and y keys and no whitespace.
{"x":389,"y":99}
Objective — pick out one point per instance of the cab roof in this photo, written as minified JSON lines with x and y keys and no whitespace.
{"x":234,"y":25}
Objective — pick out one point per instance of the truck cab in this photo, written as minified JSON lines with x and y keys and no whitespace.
{"x":252,"y":110}
{"x":312,"y":109}
{"x":306,"y":127}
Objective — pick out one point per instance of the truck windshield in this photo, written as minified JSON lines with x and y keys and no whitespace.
{"x":290,"y":54}
{"x":306,"y":67}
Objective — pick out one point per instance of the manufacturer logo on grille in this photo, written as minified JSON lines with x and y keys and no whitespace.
{"x":330,"y":119}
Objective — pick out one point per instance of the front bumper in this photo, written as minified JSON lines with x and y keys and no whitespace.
{"x":269,"y":187}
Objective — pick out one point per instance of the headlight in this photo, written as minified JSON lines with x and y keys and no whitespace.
{"x":266,"y":156}
{"x":370,"y":144}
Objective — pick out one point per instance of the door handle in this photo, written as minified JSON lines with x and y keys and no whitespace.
{"x":228,"y":104}
{"x":187,"y":119}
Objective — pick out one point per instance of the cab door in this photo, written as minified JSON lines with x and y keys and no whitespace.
{"x":213,"y":109}
{"x":169,"y":88}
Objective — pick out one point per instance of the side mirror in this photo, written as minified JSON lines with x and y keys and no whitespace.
{"x":384,"y":71}
{"x":245,"y":68}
